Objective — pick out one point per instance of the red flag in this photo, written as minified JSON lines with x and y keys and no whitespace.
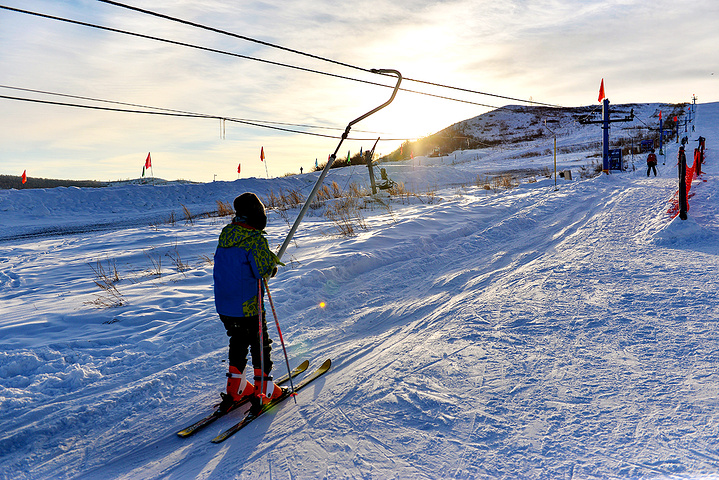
{"x":262,"y":154}
{"x":24,"y":176}
{"x":601,"y":92}
{"x":238,"y":167}
{"x":148,"y":161}
{"x":660,"y":115}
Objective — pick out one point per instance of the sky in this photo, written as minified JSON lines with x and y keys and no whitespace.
{"x":554,"y":52}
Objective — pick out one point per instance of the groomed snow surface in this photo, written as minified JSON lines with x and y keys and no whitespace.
{"x":534,"y":332}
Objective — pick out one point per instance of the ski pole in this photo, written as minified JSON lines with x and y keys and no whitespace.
{"x":282,"y":341}
{"x":332,"y":158}
{"x":262,"y":339}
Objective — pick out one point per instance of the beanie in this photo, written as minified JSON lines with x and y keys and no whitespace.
{"x":250,"y":210}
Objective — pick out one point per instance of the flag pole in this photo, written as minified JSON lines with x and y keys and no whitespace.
{"x":332,"y":158}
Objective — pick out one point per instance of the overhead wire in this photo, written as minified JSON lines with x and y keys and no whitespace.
{"x":80,"y":97}
{"x":187,"y":114}
{"x":233,"y":54}
{"x":310,"y":55}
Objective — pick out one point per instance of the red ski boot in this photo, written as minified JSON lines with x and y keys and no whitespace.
{"x":238,"y":388}
{"x":265,"y":388}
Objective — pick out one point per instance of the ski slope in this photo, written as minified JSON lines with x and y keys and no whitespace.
{"x":532,"y":332}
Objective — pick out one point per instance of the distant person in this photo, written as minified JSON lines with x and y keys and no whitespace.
{"x":242,"y":259}
{"x":300,"y":170}
{"x":652,"y":163}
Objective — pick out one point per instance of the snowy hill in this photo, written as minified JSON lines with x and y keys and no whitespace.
{"x":476,"y":331}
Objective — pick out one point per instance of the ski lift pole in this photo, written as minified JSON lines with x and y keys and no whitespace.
{"x":332,"y":158}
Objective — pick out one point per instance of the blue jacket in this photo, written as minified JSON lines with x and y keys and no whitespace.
{"x":241,"y":259}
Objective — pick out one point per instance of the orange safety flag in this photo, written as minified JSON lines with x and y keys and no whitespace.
{"x":24,"y":176}
{"x":601,"y":92}
{"x":262,"y":154}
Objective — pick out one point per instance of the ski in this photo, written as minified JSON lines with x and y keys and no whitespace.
{"x":251,"y":416}
{"x":203,"y":422}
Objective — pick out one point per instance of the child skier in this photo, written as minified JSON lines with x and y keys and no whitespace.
{"x":242,"y":258}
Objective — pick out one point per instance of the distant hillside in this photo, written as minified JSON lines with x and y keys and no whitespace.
{"x":11,"y":181}
{"x":513,"y":126}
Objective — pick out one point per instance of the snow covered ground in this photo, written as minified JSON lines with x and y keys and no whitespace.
{"x":521,"y":333}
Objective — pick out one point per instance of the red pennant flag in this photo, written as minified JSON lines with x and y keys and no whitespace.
{"x":262,"y":154}
{"x":238,"y":167}
{"x":601,"y":92}
{"x":660,"y":115}
{"x":24,"y":176}
{"x":148,"y":161}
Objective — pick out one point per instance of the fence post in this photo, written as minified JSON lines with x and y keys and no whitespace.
{"x":682,"y":167}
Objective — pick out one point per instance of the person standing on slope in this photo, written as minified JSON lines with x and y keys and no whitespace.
{"x":652,"y":163}
{"x":242,"y":258}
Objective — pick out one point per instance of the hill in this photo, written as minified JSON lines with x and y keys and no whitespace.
{"x":521,"y":127}
{"x":11,"y":181}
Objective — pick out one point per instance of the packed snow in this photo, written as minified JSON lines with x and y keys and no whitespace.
{"x":476,"y":331}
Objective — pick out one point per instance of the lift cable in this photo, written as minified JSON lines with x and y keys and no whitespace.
{"x":238,"y":55}
{"x":188,"y":115}
{"x":317,"y":57}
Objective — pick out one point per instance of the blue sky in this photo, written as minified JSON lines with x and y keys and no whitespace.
{"x":548,"y":51}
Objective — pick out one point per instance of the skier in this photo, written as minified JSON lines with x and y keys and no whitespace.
{"x":652,"y":163}
{"x":242,"y":258}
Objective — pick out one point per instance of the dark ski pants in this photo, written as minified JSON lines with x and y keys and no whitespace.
{"x":652,"y":167}
{"x":244,"y":337}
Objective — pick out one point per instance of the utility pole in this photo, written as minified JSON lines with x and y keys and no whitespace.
{"x":605,"y":121}
{"x":555,"y":153}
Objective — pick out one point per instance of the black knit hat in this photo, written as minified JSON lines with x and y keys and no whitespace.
{"x":251,"y":211}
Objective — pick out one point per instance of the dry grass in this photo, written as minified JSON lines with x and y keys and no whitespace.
{"x":225,"y":209}
{"x":175,"y":258}
{"x":346,"y":216}
{"x":188,"y":215}
{"x":105,"y":279}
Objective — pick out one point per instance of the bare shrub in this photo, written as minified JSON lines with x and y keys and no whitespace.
{"x":188,"y":215}
{"x":272,"y":201}
{"x":225,"y":209}
{"x":346,"y":215}
{"x":503,"y":182}
{"x":106,"y":279}
{"x":156,"y":268}
{"x":174,"y":256}
{"x":336,"y":190}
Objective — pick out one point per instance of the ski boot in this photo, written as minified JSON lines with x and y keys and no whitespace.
{"x":238,"y":388}
{"x":265,"y":388}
